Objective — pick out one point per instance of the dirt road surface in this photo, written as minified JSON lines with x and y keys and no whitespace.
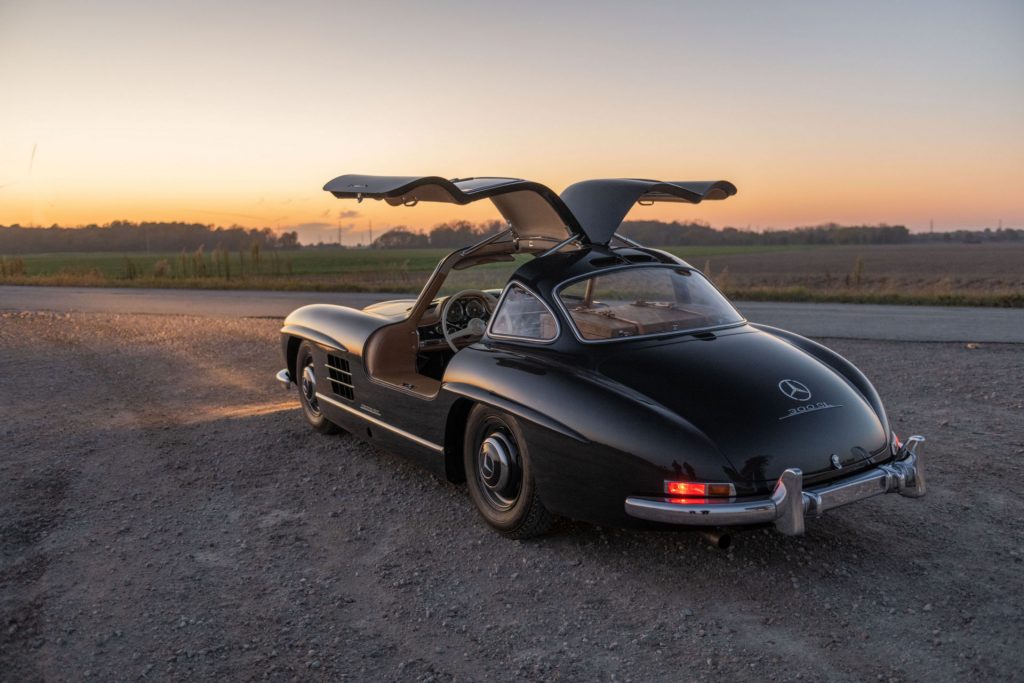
{"x":165,"y":514}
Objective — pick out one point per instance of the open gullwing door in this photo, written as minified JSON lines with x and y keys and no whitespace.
{"x":532,"y":209}
{"x":600,"y":205}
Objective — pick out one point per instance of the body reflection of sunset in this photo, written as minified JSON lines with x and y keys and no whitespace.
{"x":818,"y":112}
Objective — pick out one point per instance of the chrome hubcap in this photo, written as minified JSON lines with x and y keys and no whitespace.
{"x":309,"y":388}
{"x":499,"y":471}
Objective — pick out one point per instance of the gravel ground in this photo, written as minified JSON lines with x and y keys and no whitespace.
{"x":165,"y":514}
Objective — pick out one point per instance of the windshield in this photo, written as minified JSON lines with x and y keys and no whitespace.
{"x":483,"y":276}
{"x":645,"y":300}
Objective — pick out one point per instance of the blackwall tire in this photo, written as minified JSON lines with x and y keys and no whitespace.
{"x":305,"y":380}
{"x":500,"y":477}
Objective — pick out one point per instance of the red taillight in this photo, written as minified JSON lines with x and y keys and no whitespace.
{"x":695,"y":492}
{"x":685,"y":488}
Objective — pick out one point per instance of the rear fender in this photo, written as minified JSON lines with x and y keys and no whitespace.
{"x":588,"y":436}
{"x":842,"y":366}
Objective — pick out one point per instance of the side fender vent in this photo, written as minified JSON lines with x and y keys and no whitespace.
{"x":640,"y":258}
{"x":604,"y":261}
{"x":340,"y":377}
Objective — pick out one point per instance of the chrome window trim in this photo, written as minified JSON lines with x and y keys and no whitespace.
{"x":557,"y":296}
{"x":489,"y":332}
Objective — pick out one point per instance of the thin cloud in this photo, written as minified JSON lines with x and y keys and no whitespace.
{"x":349,"y":213}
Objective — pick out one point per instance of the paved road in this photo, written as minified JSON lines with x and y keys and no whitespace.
{"x":849,"y":321}
{"x":205,"y":302}
{"x":900,"y":323}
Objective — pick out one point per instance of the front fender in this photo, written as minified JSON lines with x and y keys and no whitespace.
{"x":339,"y":327}
{"x":313,"y":335}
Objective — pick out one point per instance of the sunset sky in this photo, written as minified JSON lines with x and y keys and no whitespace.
{"x":238,"y":112}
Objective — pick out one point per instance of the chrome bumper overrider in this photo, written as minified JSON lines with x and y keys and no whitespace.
{"x":284,"y":378}
{"x":789,"y":503}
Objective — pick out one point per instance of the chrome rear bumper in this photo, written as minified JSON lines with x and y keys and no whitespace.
{"x":284,"y":378}
{"x":789,"y":503}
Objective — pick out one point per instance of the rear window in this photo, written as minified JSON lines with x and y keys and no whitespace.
{"x":641,"y":301}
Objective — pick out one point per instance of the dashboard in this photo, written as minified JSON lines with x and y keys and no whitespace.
{"x":459,"y":314}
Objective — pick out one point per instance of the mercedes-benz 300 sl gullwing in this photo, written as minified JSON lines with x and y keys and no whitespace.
{"x":605,"y":381}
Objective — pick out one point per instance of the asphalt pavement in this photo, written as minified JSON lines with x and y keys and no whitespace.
{"x":839,"y":321}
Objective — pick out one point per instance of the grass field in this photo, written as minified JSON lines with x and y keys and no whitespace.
{"x":951,"y":274}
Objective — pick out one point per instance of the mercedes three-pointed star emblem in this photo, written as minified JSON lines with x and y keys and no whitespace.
{"x":795,"y":390}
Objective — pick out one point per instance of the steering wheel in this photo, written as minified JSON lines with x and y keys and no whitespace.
{"x":476,"y":327}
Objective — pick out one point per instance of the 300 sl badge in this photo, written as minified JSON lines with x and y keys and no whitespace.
{"x":809,"y":408}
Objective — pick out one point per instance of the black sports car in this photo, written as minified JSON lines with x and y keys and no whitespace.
{"x":606,"y":382}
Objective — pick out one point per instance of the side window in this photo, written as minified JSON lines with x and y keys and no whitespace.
{"x":523,"y":315}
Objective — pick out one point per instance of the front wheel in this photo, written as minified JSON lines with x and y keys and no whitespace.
{"x":499,"y":475}
{"x":305,"y":379}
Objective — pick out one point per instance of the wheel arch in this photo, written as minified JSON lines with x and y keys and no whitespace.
{"x":469,"y":396}
{"x":454,"y":436}
{"x":291,"y":351}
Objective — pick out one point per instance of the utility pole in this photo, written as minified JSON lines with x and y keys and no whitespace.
{"x":931,"y":226}
{"x":370,"y":244}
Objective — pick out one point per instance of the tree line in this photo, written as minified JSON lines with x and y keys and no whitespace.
{"x":443,"y":236}
{"x":661,"y":234}
{"x":125,"y":236}
{"x":658,"y":233}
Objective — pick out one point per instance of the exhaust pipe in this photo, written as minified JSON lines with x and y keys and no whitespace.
{"x":718,"y":539}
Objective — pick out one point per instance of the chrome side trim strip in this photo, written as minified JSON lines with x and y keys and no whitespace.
{"x":380,"y":423}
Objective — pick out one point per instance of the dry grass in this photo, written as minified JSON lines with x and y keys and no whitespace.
{"x":937,"y":274}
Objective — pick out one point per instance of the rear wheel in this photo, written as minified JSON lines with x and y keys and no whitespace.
{"x":305,"y":379}
{"x":499,"y":475}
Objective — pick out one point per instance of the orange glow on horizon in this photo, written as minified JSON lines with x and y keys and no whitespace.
{"x":818,"y":113}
